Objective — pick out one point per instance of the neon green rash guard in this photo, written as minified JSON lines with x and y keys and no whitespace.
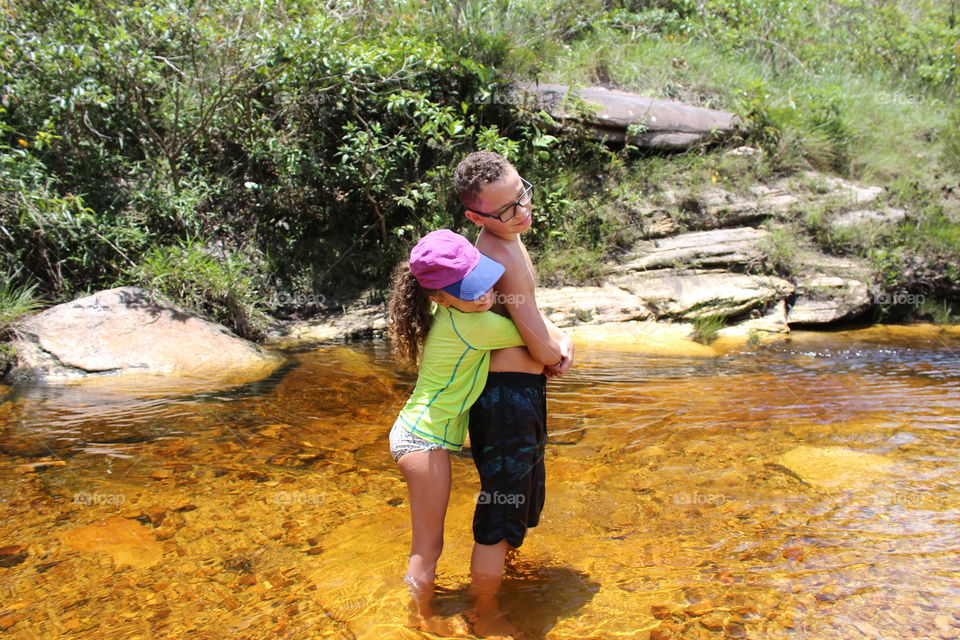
{"x":453,"y":372}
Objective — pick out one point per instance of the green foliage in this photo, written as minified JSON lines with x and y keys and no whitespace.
{"x":950,"y":137}
{"x":219,"y":288}
{"x":319,"y":140}
{"x":783,"y":248}
{"x":939,"y":311}
{"x":16,"y":301}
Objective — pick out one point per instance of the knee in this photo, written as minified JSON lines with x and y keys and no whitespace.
{"x":429,"y":549}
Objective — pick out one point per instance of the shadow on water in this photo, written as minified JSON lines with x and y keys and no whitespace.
{"x":534,"y":595}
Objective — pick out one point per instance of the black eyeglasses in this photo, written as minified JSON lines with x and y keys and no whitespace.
{"x":511,"y":209}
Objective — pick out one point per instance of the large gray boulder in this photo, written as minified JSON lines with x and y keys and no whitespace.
{"x":620,"y":116}
{"x":125,"y":331}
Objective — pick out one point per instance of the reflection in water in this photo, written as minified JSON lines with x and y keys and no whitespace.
{"x":275,"y":510}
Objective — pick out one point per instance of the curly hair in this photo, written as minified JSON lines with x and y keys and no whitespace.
{"x":477,"y":170}
{"x":409,"y":313}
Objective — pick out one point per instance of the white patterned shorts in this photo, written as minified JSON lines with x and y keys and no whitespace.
{"x":403,"y":442}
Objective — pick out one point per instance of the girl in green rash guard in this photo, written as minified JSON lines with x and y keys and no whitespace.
{"x":439,"y":310}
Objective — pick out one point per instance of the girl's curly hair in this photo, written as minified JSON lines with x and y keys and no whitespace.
{"x":409,"y":311}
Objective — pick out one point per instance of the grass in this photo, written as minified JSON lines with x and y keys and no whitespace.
{"x":220,"y":289}
{"x":882,"y":117}
{"x":705,"y":328}
{"x":15,"y":302}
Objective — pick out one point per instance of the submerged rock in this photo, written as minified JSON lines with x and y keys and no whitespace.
{"x":655,"y":338}
{"x":125,"y":331}
{"x":833,"y":467}
{"x":127,"y":542}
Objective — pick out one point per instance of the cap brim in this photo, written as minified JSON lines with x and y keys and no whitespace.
{"x":480,"y":280}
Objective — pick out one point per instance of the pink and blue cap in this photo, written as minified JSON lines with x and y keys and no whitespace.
{"x":446,"y":260}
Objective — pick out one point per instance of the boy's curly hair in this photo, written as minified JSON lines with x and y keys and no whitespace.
{"x":409,"y":313}
{"x":477,"y":170}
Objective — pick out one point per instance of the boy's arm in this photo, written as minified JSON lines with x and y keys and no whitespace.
{"x":516,"y":289}
{"x":566,"y":349}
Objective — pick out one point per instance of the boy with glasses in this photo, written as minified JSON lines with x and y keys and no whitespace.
{"x":508,"y":422}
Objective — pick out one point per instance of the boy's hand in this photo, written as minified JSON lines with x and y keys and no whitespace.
{"x":566,"y":350}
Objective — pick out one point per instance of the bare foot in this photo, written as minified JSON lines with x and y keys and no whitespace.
{"x":493,"y":624}
{"x":452,"y":627}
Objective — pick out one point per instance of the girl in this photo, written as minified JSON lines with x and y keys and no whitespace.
{"x":439,"y":311}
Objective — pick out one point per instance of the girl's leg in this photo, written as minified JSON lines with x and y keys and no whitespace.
{"x":428,"y":481}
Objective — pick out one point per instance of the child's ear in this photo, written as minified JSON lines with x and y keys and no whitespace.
{"x":440,"y":301}
{"x":474,"y":218}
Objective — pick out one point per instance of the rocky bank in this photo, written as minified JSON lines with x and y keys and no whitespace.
{"x":716,"y":265}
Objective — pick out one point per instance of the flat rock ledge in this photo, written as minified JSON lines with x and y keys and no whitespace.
{"x":126,"y":332}
{"x":827,"y":299}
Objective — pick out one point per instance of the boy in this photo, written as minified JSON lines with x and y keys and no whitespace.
{"x":508,"y":421}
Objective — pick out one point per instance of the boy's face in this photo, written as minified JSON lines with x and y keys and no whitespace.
{"x":494,"y":197}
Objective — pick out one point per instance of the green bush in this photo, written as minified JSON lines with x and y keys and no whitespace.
{"x":16,"y":301}
{"x":319,"y":140}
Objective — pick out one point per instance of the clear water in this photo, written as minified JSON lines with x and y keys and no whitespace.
{"x":275,"y":510}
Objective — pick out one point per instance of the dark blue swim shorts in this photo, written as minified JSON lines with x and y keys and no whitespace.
{"x":508,"y":436}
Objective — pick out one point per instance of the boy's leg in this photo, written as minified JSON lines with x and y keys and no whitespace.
{"x":428,"y":481}
{"x":507,"y":435}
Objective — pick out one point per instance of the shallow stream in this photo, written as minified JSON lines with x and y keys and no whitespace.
{"x":275,"y":511}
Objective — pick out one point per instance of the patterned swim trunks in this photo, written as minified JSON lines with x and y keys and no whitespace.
{"x":508,"y":437}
